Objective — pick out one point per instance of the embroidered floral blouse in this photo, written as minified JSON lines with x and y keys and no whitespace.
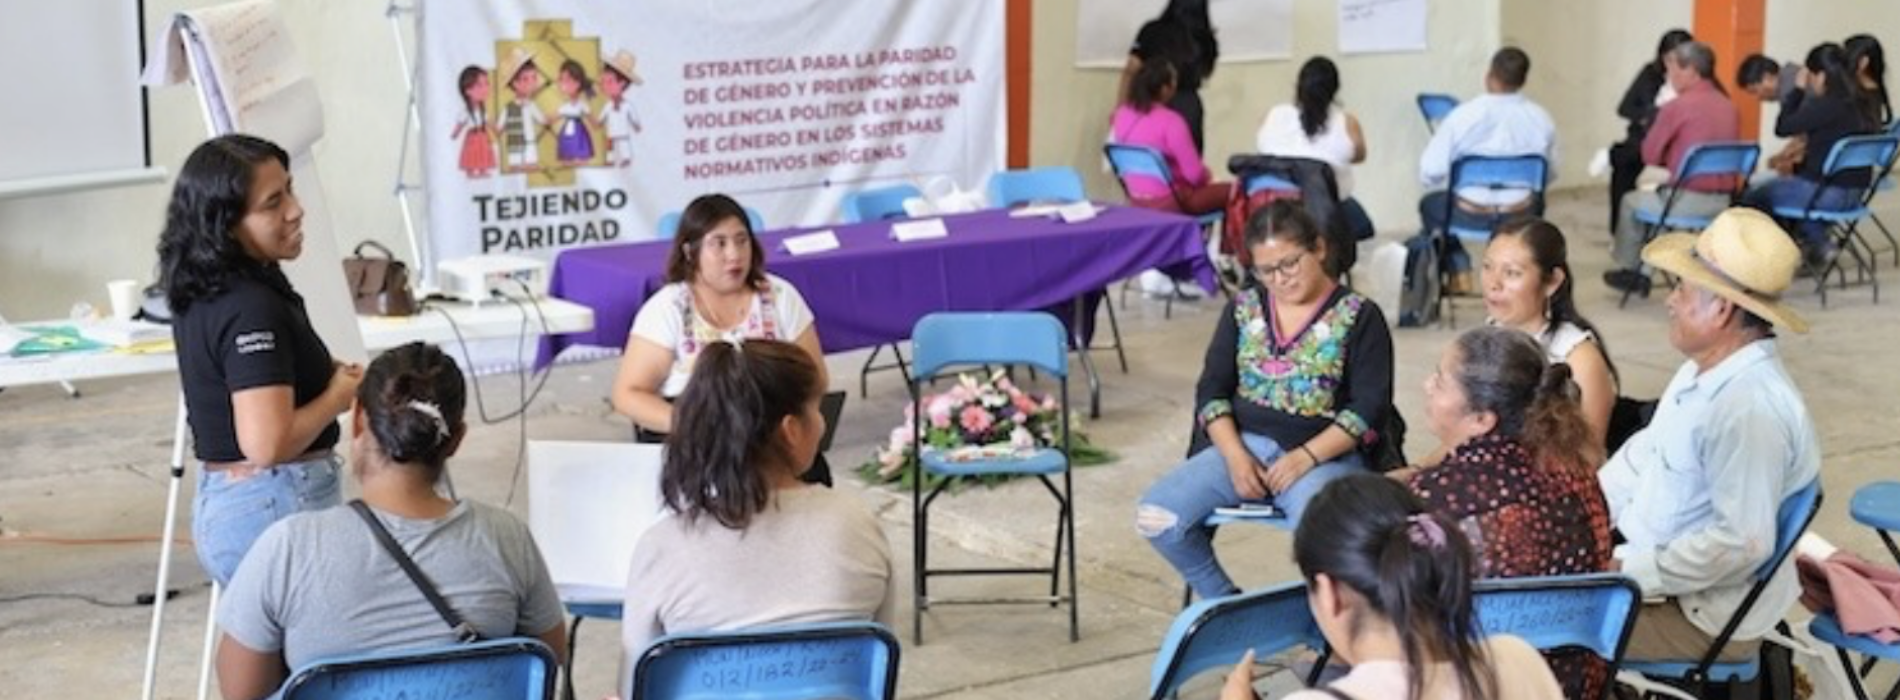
{"x":1525,"y":519}
{"x":1336,"y":370}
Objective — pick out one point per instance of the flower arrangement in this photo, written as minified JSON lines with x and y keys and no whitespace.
{"x":980,"y":419}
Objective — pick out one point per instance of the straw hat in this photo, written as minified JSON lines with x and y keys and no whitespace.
{"x":517,"y":57}
{"x":1743,"y":256}
{"x":622,"y":63}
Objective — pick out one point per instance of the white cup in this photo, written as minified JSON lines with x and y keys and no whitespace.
{"x":125,"y":298}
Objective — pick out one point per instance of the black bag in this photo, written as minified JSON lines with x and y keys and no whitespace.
{"x":1319,"y":192}
{"x":378,"y":286}
{"x":464,"y":632}
{"x":1418,"y":297}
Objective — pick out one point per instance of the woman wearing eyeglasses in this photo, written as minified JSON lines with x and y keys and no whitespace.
{"x":1298,"y":373}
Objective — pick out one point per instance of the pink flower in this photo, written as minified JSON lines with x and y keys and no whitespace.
{"x":942,"y":420}
{"x":1019,"y":418}
{"x":974,"y":419}
{"x":1023,"y":403}
{"x":939,"y":410}
{"x":1049,"y":403}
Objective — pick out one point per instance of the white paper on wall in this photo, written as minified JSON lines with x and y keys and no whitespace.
{"x":1381,"y":26}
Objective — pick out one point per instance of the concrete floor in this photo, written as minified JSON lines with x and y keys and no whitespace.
{"x":82,"y":494}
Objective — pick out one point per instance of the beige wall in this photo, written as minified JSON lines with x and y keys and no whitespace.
{"x":58,"y":249}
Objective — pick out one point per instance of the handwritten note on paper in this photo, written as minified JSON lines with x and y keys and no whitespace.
{"x":441,"y":679}
{"x":264,"y":86}
{"x":737,"y":670}
{"x":1381,"y":26}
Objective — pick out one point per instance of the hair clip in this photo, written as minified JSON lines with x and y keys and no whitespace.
{"x":434,"y":413}
{"x":737,"y":343}
{"x":1424,"y":531}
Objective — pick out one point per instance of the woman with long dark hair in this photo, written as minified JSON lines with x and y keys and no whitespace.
{"x":1869,"y":62}
{"x":747,"y":543}
{"x":1296,"y":378}
{"x":1830,"y":106}
{"x":1315,"y":126}
{"x":1638,"y":107}
{"x":1390,"y":584}
{"x":1519,"y":476}
{"x":716,"y":289}
{"x":320,"y":585}
{"x":1528,"y":286}
{"x":260,"y":387}
{"x":1182,"y":38}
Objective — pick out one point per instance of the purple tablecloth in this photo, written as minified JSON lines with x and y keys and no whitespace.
{"x":873,"y":288}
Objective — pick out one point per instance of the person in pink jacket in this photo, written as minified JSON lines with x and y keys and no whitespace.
{"x":1144,"y":119}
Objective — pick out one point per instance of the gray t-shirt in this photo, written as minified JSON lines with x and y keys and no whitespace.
{"x":317,"y":585}
{"x":815,"y":555}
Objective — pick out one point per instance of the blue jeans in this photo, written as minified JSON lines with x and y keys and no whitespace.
{"x":228,"y":515}
{"x":1357,"y":221}
{"x":1795,"y":192}
{"x":1170,"y":514}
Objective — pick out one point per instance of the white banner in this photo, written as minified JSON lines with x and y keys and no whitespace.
{"x":551,"y":124}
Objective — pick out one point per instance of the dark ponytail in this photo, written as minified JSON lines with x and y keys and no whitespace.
{"x":1370,"y":534}
{"x":1551,"y":254}
{"x":1503,"y":371}
{"x":725,"y":437}
{"x":414,"y":397}
{"x":1314,"y":91}
{"x":1144,"y":90}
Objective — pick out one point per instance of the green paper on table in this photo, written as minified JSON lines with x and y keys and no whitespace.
{"x":48,"y":340}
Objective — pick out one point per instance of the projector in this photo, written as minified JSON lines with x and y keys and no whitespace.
{"x":488,"y":277}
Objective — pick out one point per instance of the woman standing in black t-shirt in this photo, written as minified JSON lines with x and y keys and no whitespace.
{"x":261,"y":390}
{"x":1183,"y":37}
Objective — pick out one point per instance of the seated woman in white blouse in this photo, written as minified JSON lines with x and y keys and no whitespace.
{"x":1314,"y":126}
{"x":717,"y":289}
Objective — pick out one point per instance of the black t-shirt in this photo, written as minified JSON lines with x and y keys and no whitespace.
{"x":256,"y":333}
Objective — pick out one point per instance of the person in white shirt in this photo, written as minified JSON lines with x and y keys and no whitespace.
{"x":1315,"y":126}
{"x":1501,"y":122}
{"x":1695,"y":493}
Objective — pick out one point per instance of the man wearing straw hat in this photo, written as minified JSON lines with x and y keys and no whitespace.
{"x":1694,"y":495}
{"x":618,"y":118}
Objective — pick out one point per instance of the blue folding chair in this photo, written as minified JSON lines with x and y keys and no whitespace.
{"x":1876,"y":505}
{"x":1792,"y":518}
{"x":669,"y":224}
{"x":1215,"y":633}
{"x":595,"y":610}
{"x":1873,"y":155}
{"x":1256,"y":184}
{"x":1051,"y":184}
{"x":945,"y":340}
{"x":1435,"y":106}
{"x":849,"y":660}
{"x":1142,"y":161}
{"x":1525,"y":172}
{"x":881,"y":204}
{"x":1885,"y":184}
{"x":515,"y":668}
{"x":1714,"y":159}
{"x":1587,"y":612}
{"x":1827,"y":628}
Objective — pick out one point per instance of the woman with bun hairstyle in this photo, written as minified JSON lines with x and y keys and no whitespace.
{"x":320,"y":585}
{"x":1519,"y":476}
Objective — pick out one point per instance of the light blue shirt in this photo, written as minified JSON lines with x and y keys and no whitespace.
{"x":1695,"y":493}
{"x":1491,"y":124}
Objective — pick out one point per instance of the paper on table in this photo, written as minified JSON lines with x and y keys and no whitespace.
{"x":921,"y":229}
{"x":1076,"y":211}
{"x":812,"y":243}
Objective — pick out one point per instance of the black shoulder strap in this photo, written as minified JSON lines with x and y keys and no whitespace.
{"x":464,"y":632}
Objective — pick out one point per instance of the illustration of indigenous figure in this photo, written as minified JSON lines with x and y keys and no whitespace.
{"x":478,"y":137}
{"x":522,"y":121}
{"x":618,"y":119}
{"x":574,"y":143}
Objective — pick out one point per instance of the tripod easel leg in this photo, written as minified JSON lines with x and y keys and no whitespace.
{"x":165,"y":552}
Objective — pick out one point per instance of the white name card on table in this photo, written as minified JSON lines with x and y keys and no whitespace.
{"x":812,"y":243}
{"x":1076,"y":211}
{"x":922,"y":229}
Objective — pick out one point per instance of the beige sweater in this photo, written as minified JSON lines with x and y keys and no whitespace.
{"x":816,"y":555}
